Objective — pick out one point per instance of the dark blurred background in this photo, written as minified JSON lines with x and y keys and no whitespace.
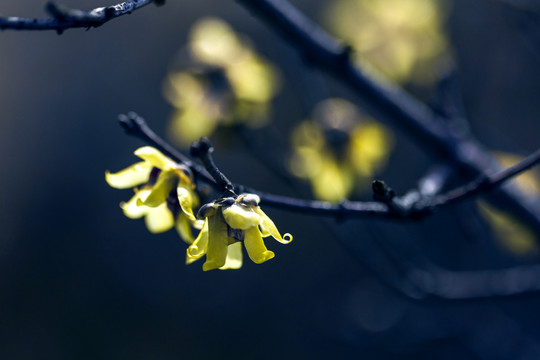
{"x":78,"y":280}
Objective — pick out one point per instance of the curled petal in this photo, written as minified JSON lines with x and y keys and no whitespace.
{"x":161,"y":190}
{"x":190,"y":260}
{"x":255,"y":247}
{"x":183,"y":227}
{"x":198,"y":248}
{"x":129,"y":177}
{"x":155,"y":158}
{"x":234,"y":257}
{"x":241,"y":217}
{"x":159,"y":219}
{"x":185,"y":198}
{"x":216,"y":254}
{"x":131,"y":209}
{"x":268,"y":228}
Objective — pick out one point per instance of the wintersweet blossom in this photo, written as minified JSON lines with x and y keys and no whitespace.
{"x":167,"y":190}
{"x":228,"y":223}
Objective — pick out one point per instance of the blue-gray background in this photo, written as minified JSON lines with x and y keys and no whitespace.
{"x":78,"y":280}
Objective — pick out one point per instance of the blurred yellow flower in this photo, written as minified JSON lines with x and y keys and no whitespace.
{"x":338,"y":151}
{"x":167,"y":192}
{"x":509,"y":231}
{"x":403,"y":39}
{"x":228,"y":83}
{"x":228,"y":223}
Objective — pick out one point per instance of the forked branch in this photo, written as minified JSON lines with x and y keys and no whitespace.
{"x":414,"y":205}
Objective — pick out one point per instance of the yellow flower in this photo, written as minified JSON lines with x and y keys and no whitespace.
{"x":339,"y":151}
{"x":403,"y":39}
{"x":167,"y":190}
{"x":228,"y":84}
{"x":229,"y":223}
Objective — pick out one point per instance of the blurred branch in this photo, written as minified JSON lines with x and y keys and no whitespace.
{"x":413,"y":205}
{"x":477,"y":284}
{"x":63,"y":18}
{"x":469,"y":157}
{"x":449,"y":101}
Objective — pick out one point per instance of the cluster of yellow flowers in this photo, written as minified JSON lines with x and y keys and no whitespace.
{"x":403,"y":39}
{"x":227,"y":83}
{"x":339,"y":150}
{"x":165,"y":190}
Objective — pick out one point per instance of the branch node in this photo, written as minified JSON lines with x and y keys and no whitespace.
{"x":109,"y":12}
{"x":382,"y":192}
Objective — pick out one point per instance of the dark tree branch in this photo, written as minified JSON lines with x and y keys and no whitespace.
{"x":469,"y":158}
{"x":413,"y":205}
{"x":63,"y":18}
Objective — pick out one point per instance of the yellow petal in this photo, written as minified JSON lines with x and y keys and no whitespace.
{"x":131,"y":209}
{"x":159,"y":219}
{"x":234,"y":257}
{"x":216,"y":254}
{"x":161,"y":190}
{"x":255,"y":247}
{"x":198,"y":248}
{"x":241,"y":217}
{"x":129,"y":177}
{"x":268,"y":228}
{"x":155,"y":158}
{"x":183,"y":227}
{"x":185,"y":198}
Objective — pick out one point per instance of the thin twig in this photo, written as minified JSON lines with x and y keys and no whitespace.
{"x":485,"y":184}
{"x":63,"y":18}
{"x":469,"y":158}
{"x":136,"y":126}
{"x":203,"y":150}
